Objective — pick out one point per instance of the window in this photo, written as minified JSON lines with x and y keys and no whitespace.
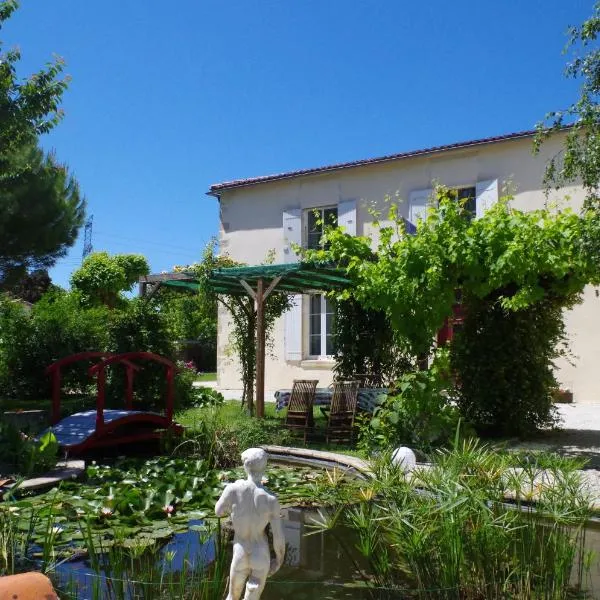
{"x":320,"y":326}
{"x":468,"y":197}
{"x":317,"y":219}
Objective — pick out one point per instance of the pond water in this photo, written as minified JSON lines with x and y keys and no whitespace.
{"x":316,"y":565}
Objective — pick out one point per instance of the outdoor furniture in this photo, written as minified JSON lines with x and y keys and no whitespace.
{"x":368,"y":398}
{"x":368,"y":380}
{"x":341,"y":413}
{"x":300,"y":405}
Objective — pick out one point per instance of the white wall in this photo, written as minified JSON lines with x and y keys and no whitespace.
{"x":251,"y":226}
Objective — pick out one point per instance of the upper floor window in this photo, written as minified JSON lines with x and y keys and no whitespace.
{"x":468,"y":197}
{"x":317,"y":219}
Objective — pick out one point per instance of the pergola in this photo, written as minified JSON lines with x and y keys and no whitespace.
{"x":259,"y":283}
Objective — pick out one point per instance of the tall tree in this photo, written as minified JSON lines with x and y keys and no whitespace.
{"x":32,"y":286}
{"x":103,"y":278}
{"x":580,"y":157}
{"x":41,"y":208}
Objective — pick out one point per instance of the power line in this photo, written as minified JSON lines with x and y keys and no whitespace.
{"x":146,"y":241}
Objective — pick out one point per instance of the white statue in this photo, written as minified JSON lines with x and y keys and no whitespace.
{"x":252,"y":508}
{"x":405,"y":458}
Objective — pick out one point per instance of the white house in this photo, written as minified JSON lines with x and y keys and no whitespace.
{"x":266,"y":214}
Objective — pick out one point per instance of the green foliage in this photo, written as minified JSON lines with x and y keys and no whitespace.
{"x":365,"y":344}
{"x":508,"y":259}
{"x":102,"y":278}
{"x":580,"y":159}
{"x":42,"y":211}
{"x":56,"y":326}
{"x":457,"y":538}
{"x":509,"y":391}
{"x":29,"y":107}
{"x":207,"y":397}
{"x":420,"y":412}
{"x":223,"y":435}
{"x":243,"y":315}
{"x":41,"y":207}
{"x":139,"y":327}
{"x":32,"y":286}
{"x":25,"y":456}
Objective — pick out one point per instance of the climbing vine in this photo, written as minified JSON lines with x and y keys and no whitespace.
{"x":509,"y":261}
{"x":242,"y":312}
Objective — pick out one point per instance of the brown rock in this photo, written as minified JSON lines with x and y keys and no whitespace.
{"x":26,"y":586}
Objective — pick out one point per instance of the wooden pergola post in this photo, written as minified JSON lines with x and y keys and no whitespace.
{"x":260,"y":350}
{"x":259,"y":295}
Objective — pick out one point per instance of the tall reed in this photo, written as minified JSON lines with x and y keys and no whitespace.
{"x":449,"y":531}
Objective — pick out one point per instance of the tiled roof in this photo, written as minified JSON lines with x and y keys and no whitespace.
{"x":216,"y":188}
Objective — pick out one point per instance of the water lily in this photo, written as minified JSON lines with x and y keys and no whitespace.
{"x":168,"y":509}
{"x":56,"y":530}
{"x":105,"y":511}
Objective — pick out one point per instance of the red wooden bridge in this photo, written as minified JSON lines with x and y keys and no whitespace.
{"x":108,"y":427}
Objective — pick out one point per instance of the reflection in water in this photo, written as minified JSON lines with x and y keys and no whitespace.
{"x":315,"y":564}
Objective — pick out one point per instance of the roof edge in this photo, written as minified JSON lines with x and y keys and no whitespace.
{"x":217,"y":188}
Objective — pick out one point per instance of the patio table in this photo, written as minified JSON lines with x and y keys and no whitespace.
{"x":368,"y":398}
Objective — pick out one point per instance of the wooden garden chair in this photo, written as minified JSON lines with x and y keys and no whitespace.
{"x":300,"y":407}
{"x":340,"y":424}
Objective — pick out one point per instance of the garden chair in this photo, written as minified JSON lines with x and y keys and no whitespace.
{"x":300,"y":407}
{"x":340,"y":423}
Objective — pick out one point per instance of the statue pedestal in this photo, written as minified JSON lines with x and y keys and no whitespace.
{"x":26,"y":586}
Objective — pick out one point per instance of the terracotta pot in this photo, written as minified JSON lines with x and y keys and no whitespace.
{"x":26,"y":586}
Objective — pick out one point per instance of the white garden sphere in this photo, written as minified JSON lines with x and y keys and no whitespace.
{"x":405,"y":458}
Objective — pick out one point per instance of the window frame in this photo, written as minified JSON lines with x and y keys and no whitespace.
{"x":305,"y":219}
{"x":322,"y":326}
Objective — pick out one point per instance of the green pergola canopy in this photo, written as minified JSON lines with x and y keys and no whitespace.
{"x":258,"y":282}
{"x":296,"y":278}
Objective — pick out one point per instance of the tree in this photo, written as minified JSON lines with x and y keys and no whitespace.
{"x":580,"y":157}
{"x":41,"y":206}
{"x":32,"y":286}
{"x":42,"y":211}
{"x":102,"y":279}
{"x":513,"y":270}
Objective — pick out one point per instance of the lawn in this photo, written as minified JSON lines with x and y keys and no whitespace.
{"x":206,"y":377}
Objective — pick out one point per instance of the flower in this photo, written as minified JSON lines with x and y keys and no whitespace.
{"x":56,"y":530}
{"x":168,"y":509}
{"x":105,"y":511}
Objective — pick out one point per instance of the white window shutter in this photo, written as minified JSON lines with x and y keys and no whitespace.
{"x":293,"y":330}
{"x":418,"y":202}
{"x":487,"y":196}
{"x":292,"y":233}
{"x":347,"y":216}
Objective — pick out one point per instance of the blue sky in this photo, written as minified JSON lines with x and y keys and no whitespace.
{"x":167,"y":98}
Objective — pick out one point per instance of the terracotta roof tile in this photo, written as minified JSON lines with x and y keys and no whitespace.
{"x":216,"y":188}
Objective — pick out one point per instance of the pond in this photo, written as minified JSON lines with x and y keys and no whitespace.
{"x":148,"y":532}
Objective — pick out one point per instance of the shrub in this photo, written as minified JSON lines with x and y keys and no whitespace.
{"x":140,"y":327}
{"x":20,"y":454}
{"x":56,"y":327}
{"x":419,"y":413}
{"x":504,"y":363}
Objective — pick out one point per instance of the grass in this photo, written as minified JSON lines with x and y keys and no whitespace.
{"x":237,"y":419}
{"x":206,"y":377}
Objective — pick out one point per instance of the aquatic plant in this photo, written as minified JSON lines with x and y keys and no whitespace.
{"x":456,"y":536}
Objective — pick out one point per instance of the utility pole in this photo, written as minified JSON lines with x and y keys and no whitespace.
{"x":87,"y":237}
